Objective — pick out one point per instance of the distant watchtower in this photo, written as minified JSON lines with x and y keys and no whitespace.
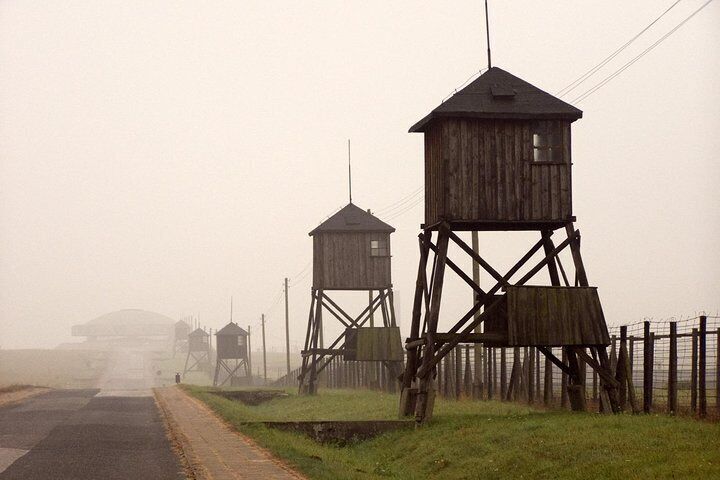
{"x":180,"y":338}
{"x":198,"y":357}
{"x":232,"y":355}
{"x":498,"y":158}
{"x":351,"y":251}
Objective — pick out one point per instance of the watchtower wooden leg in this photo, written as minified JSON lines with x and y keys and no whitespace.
{"x":217,"y":372}
{"x":302,"y":387}
{"x":576,"y":382}
{"x":407,"y":394}
{"x":425,"y":394}
{"x":582,"y":280}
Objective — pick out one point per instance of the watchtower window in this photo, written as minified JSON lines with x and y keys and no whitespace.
{"x":241,"y":341}
{"x":547,"y":144}
{"x":378,"y":248}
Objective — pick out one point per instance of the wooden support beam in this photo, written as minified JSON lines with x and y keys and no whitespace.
{"x":460,"y":273}
{"x":478,"y":319}
{"x":325,"y":351}
{"x":552,"y":265}
{"x":556,"y":361}
{"x":605,"y":375}
{"x":475,"y":256}
{"x":442,"y":337}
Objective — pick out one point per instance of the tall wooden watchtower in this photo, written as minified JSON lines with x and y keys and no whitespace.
{"x":351,"y":251}
{"x":498,"y":158}
{"x":232,"y":355}
{"x":198,"y":355}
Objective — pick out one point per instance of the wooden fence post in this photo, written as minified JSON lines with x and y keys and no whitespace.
{"x":647,"y":369}
{"x":537,"y":375}
{"x":672,"y":370}
{"x":563,"y":382}
{"x":531,"y":376}
{"x":468,"y":373}
{"x":701,"y":367}
{"x":493,"y":370}
{"x":621,"y":368}
{"x":458,"y":372}
{"x":503,"y":373}
{"x":717,"y":372}
{"x":694,"y":372}
{"x":547,"y":393}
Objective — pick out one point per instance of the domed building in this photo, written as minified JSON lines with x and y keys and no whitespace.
{"x":127,"y":328}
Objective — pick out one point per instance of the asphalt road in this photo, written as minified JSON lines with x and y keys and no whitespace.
{"x":114,"y":432}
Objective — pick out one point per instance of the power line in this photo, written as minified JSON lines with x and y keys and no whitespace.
{"x":617,"y":72}
{"x":303,"y":270}
{"x":394,"y":206}
{"x":581,"y":79}
{"x":407,"y":208}
{"x":298,"y":280}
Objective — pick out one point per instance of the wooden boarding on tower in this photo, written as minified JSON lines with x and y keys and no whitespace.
{"x":532,"y":316}
{"x":376,"y":344}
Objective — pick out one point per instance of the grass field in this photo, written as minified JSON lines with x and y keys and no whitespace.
{"x":481,"y":440}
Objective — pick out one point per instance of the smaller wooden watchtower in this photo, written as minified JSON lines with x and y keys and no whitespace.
{"x":232,"y":355}
{"x":180,"y":337}
{"x":351,"y":251}
{"x":198,"y":357}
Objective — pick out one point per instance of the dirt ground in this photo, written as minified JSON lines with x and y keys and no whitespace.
{"x":15,"y":396}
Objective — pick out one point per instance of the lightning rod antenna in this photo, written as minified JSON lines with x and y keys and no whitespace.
{"x":349,"y":173}
{"x":487,"y":32}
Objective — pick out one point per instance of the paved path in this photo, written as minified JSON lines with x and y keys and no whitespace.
{"x":213,"y":449}
{"x":74,"y":434}
{"x":113,"y":432}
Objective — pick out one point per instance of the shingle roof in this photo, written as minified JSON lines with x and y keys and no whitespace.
{"x":352,"y":218}
{"x":499,"y":94}
{"x":231,"y":329}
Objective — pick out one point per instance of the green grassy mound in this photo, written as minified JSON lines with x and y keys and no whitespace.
{"x":480,"y":440}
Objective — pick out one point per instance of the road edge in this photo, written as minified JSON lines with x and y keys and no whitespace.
{"x":189,"y":461}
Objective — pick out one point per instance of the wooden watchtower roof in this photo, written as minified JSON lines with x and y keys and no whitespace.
{"x":497,"y":94}
{"x":231,"y":329}
{"x":352,"y":218}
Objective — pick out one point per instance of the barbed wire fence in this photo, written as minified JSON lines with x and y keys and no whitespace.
{"x":674,"y":367}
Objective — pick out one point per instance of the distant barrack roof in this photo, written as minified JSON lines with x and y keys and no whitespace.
{"x":232,"y":329}
{"x":497,"y":94}
{"x":352,"y":218}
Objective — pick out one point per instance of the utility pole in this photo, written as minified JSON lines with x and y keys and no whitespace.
{"x":249,"y":356}
{"x":287,"y":328}
{"x":262,"y":322}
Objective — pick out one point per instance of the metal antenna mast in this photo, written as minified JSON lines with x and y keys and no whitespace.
{"x":349,"y":172}
{"x":487,"y":31}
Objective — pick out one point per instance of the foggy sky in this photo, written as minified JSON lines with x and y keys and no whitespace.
{"x":167,"y":155}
